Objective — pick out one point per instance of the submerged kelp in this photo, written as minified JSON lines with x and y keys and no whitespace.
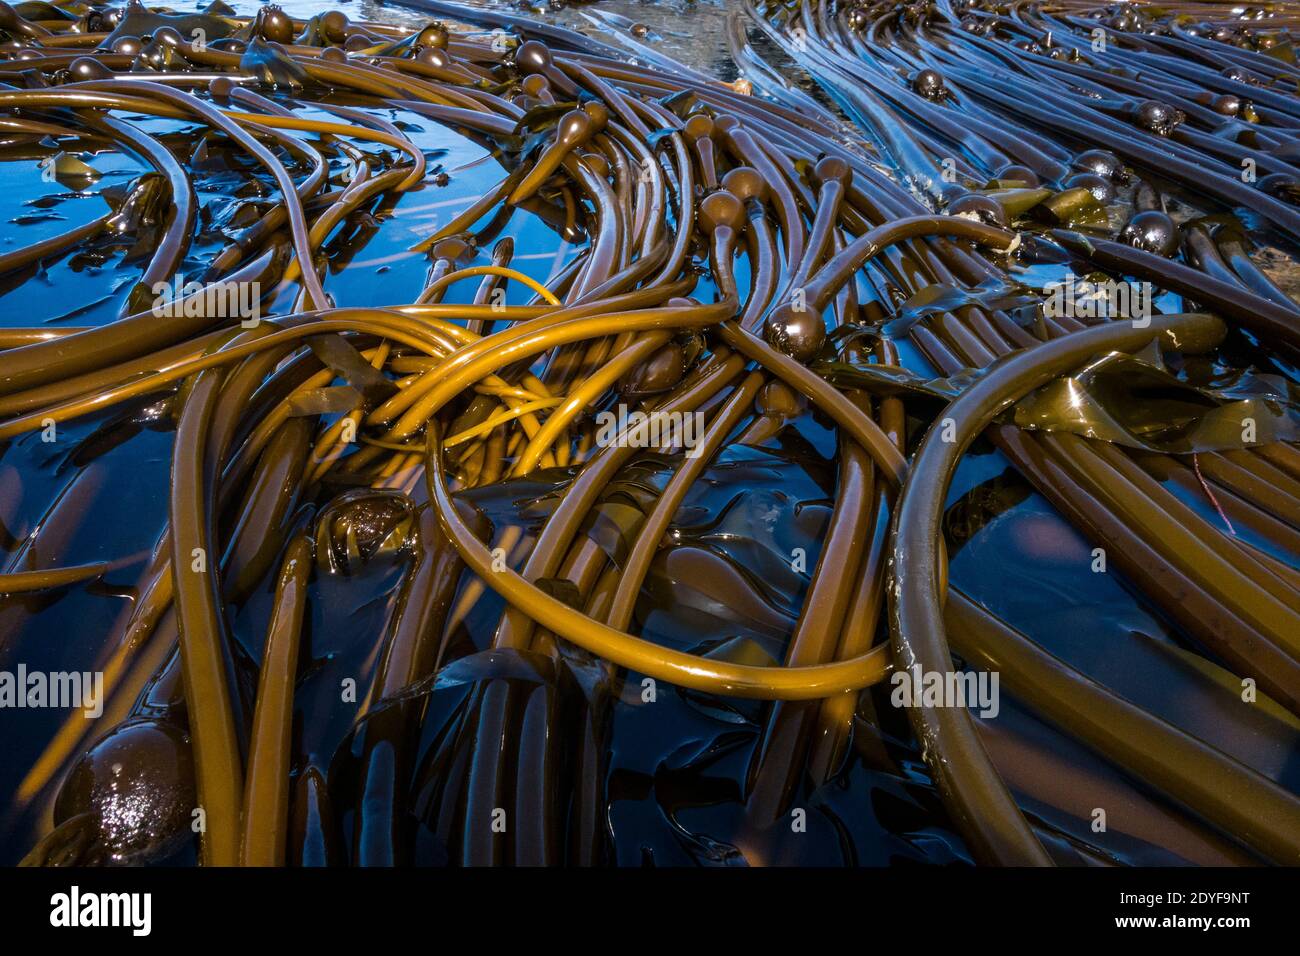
{"x":538,"y":456}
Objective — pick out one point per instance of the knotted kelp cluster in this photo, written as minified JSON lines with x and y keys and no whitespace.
{"x":618,"y":561}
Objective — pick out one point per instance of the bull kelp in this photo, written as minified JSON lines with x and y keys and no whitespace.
{"x":489,"y":443}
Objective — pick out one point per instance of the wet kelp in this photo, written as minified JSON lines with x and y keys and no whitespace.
{"x":935,"y":87}
{"x":601,"y":518}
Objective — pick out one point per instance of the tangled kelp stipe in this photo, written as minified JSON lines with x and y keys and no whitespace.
{"x":491,"y":444}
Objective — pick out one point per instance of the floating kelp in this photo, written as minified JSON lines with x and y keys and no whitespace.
{"x":1082,"y":98}
{"x":1124,"y":399}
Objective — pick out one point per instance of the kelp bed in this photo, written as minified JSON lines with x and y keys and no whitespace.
{"x":308,"y":450}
